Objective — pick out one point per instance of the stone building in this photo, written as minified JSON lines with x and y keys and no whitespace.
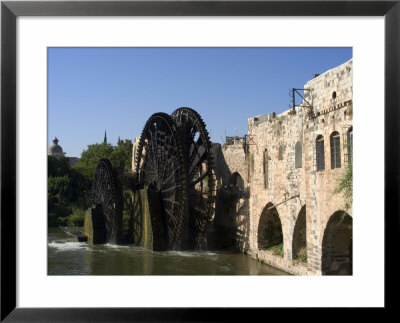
{"x":290,"y":170}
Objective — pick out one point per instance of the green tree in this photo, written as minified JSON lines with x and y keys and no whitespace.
{"x":57,"y":166}
{"x":59,"y":189}
{"x":66,"y":190}
{"x":69,"y":187}
{"x":91,"y":157}
{"x":121,"y":157}
{"x":58,"y":199}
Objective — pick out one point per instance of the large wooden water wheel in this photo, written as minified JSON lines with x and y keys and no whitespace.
{"x":161,"y":168}
{"x":173,"y":184}
{"x":199,"y":168}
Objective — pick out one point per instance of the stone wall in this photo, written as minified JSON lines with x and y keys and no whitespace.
{"x":230,"y":159}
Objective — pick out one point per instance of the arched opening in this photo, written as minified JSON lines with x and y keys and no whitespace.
{"x":299,"y":245}
{"x":337,"y":245}
{"x":270,"y":236}
{"x":298,"y":150}
{"x":236,"y":180}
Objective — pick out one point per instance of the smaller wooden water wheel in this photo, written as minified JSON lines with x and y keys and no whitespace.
{"x":107,"y":198}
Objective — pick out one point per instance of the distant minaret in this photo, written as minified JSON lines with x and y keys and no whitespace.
{"x":105,"y":137}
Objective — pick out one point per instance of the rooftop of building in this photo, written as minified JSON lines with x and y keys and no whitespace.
{"x":261,"y":118}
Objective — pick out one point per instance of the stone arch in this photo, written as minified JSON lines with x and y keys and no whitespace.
{"x":337,"y":245}
{"x":270,"y":229}
{"x":299,"y":244}
{"x":236,"y":180}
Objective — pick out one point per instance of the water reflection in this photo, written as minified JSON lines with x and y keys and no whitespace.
{"x":66,"y":256}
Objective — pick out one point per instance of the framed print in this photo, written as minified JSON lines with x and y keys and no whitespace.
{"x":39,"y":38}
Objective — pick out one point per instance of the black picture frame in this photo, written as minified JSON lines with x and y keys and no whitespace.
{"x":10,"y":10}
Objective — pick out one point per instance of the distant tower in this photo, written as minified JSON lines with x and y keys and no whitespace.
{"x":55,"y":149}
{"x":105,"y":137}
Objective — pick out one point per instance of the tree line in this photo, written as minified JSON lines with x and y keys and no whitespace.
{"x":68,"y":189}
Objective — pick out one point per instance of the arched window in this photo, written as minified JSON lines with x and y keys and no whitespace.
{"x":265,"y":168}
{"x":335,"y":150}
{"x":280,"y":153}
{"x":236,"y":180}
{"x":298,"y":155}
{"x":350,"y":145}
{"x":320,"y":153}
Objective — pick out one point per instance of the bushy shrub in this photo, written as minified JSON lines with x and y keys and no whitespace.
{"x":277,"y":249}
{"x":76,"y":219}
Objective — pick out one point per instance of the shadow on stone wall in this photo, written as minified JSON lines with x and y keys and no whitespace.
{"x":221,"y":169}
{"x":230,"y":228}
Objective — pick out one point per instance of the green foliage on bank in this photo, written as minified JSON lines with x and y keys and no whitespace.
{"x":277,"y":249}
{"x":76,"y":218}
{"x":302,"y":255}
{"x":69,"y":186}
{"x":66,"y":190}
{"x":345,"y":186}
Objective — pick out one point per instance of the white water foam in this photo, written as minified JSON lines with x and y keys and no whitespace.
{"x":190,"y":253}
{"x":116,"y":246}
{"x":65,"y":246}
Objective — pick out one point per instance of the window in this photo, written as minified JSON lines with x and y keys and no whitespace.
{"x":298,"y":154}
{"x":335,"y":150}
{"x":280,"y":153}
{"x":350,"y":145}
{"x":265,"y":168}
{"x":320,"y":153}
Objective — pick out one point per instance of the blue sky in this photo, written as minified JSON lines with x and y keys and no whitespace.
{"x":91,"y":90}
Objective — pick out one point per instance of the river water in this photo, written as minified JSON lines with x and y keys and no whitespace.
{"x":67,"y":256}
